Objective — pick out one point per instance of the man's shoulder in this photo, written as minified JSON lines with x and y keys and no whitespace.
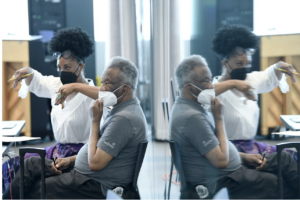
{"x":131,"y":111}
{"x":185,"y":117}
{"x":186,"y":111}
{"x":131,"y":115}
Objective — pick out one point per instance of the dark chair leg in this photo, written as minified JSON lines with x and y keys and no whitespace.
{"x":170,"y":178}
{"x":279,"y":150}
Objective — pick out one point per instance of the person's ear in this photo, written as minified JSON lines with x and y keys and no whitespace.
{"x":224,"y":63}
{"x":225,"y":66}
{"x":188,"y":87}
{"x":82,"y":65}
{"x":127,"y":88}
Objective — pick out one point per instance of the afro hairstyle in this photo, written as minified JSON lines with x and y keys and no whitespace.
{"x":229,"y":37}
{"x":74,"y":39}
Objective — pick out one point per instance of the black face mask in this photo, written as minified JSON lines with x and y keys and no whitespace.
{"x":239,"y":73}
{"x":68,"y":77}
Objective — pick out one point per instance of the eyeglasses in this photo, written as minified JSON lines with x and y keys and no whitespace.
{"x":241,"y":51}
{"x":66,"y":54}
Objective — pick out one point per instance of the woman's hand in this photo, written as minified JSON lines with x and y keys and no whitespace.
{"x":19,"y":73}
{"x":255,"y":160}
{"x":262,"y":165}
{"x":97,"y":110}
{"x":63,"y":92}
{"x":61,"y":164}
{"x":246,"y":89}
{"x":287,"y":67}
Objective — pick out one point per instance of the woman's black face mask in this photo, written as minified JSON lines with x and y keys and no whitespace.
{"x":68,"y":77}
{"x":239,"y":73}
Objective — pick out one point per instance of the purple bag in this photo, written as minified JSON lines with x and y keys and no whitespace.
{"x":14,"y":165}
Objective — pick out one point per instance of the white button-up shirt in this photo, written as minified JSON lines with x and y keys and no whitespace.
{"x":240,"y":119}
{"x":71,"y":124}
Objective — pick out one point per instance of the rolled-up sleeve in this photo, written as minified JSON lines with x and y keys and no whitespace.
{"x":265,"y":81}
{"x":41,"y":86}
{"x":89,"y":102}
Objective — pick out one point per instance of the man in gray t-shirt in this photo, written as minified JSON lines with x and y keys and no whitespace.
{"x":208,"y":158}
{"x":110,"y":155}
{"x":109,"y":158}
{"x":206,"y":153}
{"x":193,"y":130}
{"x":122,"y":132}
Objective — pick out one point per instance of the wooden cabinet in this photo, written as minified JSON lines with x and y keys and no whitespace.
{"x":275,"y":103}
{"x":15,"y":55}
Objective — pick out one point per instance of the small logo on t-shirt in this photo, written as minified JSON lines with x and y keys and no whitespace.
{"x":110,"y":145}
{"x":206,"y":143}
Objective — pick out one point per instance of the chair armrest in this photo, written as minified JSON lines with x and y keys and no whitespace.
{"x":282,"y":146}
{"x":24,"y":150}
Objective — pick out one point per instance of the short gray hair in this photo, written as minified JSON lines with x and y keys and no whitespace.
{"x":128,"y":71}
{"x":184,"y":71}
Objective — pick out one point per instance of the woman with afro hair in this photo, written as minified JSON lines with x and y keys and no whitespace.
{"x":237,"y":88}
{"x":71,"y":119}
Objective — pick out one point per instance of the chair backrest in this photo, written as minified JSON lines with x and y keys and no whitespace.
{"x":165,"y":106}
{"x":139,"y":162}
{"x":42,"y":153}
{"x":173,"y":89}
{"x":177,"y":161}
{"x":279,"y":148}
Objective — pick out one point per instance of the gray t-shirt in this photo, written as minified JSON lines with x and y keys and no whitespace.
{"x":194,"y":131}
{"x":123,"y":130}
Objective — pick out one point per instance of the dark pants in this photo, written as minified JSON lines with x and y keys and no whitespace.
{"x":247,"y":183}
{"x":69,"y":185}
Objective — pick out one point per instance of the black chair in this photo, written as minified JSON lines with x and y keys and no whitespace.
{"x":42,"y":153}
{"x":131,"y":187}
{"x":132,"y":191}
{"x":174,"y":94}
{"x":176,"y":160}
{"x":279,"y":148}
{"x":165,"y":106}
{"x":173,"y":89}
{"x":187,"y":190}
{"x":139,"y":162}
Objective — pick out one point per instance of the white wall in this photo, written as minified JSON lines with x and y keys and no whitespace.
{"x":275,"y":17}
{"x":14,"y":17}
{"x":101,"y":33}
